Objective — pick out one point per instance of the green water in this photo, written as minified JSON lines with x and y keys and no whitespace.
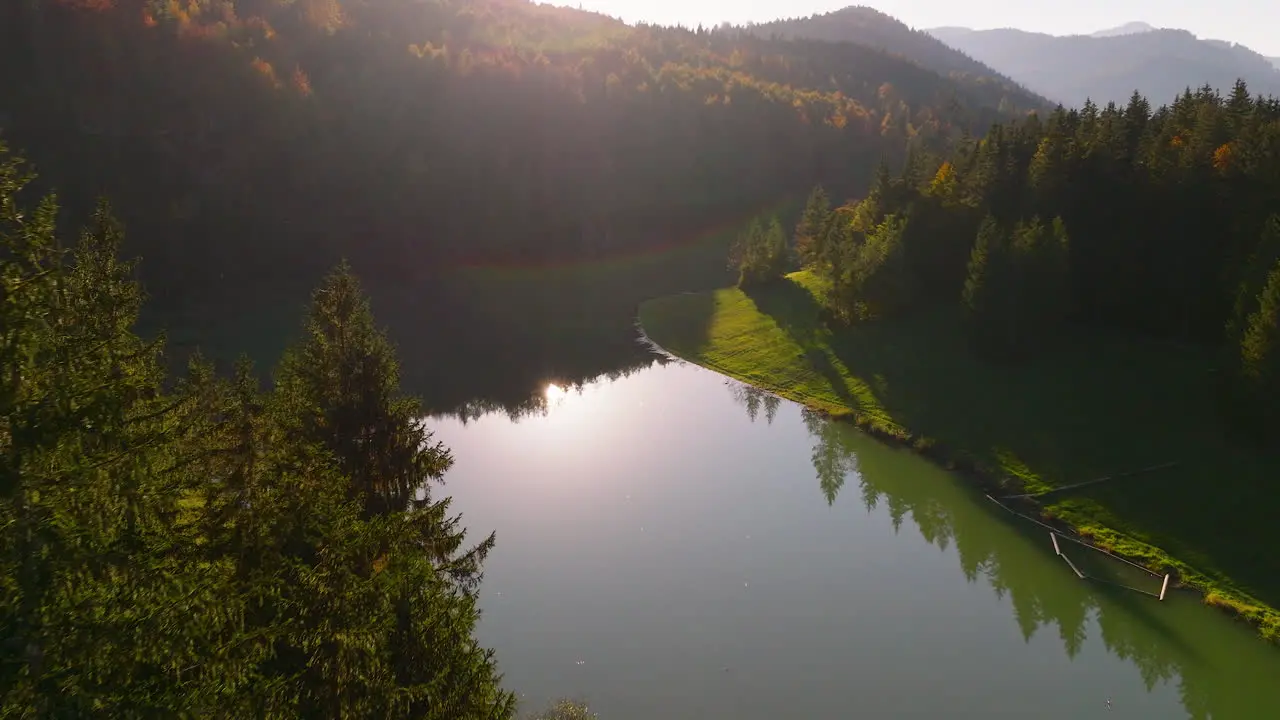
{"x":673,"y":545}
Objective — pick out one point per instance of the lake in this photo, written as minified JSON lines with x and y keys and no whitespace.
{"x":672,"y":544}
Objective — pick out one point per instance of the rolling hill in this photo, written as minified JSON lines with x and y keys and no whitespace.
{"x":870,"y":27}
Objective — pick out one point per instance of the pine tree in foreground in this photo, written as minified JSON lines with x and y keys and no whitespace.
{"x":215,"y":550}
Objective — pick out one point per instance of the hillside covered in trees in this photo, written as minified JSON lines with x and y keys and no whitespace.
{"x":217,"y":125}
{"x":247,"y":145}
{"x":1146,"y":222}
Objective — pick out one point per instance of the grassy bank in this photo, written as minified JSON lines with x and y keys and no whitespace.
{"x":1094,"y":408}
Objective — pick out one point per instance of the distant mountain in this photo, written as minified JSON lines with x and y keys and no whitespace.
{"x":870,"y":27}
{"x":1275,"y":61}
{"x":1132,"y":28}
{"x":1160,"y":64}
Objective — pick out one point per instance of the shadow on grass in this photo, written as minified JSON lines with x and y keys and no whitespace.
{"x":682,"y":321}
{"x":792,"y":307}
{"x":796,"y":312}
{"x":1087,"y":412}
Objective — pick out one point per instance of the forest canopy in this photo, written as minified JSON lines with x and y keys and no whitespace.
{"x":1150,"y":222}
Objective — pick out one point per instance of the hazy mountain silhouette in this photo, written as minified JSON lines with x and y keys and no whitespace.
{"x":870,"y":27}
{"x":1110,"y":65}
{"x":1130,"y":28}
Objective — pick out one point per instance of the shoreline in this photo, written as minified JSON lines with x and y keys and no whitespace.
{"x":970,"y":470}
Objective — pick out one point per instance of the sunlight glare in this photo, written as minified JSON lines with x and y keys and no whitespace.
{"x":554,"y":393}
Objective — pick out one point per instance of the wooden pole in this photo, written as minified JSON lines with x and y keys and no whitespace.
{"x":1054,"y":537}
{"x":1074,"y":569}
{"x":1164,"y":587}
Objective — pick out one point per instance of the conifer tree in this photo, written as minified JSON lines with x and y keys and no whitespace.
{"x":761,"y":253}
{"x":1253,"y":279}
{"x":988,"y":292}
{"x":746,"y":252}
{"x":1057,"y":279}
{"x":881,"y":284}
{"x":1260,"y":357}
{"x":341,"y":391}
{"x":810,"y":230}
{"x":101,"y":606}
{"x":776,"y":255}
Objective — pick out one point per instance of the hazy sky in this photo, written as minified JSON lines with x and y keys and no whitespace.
{"x":1248,"y":22}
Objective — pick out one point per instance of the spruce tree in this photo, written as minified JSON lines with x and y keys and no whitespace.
{"x":810,"y":230}
{"x":1260,"y":356}
{"x":976,"y":297}
{"x":1057,"y":278}
{"x":1253,"y":278}
{"x":776,"y":255}
{"x":748,"y":251}
{"x":988,"y":293}
{"x":103,"y":608}
{"x":215,"y":550}
{"x":882,"y":284}
{"x":762,"y":253}
{"x":341,"y":391}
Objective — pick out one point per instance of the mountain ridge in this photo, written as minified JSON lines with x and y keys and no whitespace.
{"x":862,"y":25}
{"x":1158,"y":63}
{"x":1129,"y":28}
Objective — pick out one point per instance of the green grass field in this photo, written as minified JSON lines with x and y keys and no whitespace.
{"x":1093,"y":407}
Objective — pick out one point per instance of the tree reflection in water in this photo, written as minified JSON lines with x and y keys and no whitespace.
{"x":1220,"y":672}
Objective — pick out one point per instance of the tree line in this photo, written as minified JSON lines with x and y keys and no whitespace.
{"x":1157,"y":223}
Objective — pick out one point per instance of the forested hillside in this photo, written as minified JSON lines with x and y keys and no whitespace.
{"x":1153,"y":223}
{"x":870,"y":27}
{"x":249,"y":144}
{"x":239,"y":136}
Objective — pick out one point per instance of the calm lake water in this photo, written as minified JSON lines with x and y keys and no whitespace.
{"x":674,"y":545}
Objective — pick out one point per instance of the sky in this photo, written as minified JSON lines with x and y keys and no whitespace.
{"x":1248,"y":22}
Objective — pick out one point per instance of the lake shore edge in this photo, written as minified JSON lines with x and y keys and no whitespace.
{"x":1263,"y":618}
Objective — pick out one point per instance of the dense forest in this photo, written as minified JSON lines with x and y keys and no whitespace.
{"x":1156,"y":223}
{"x":248,"y":145}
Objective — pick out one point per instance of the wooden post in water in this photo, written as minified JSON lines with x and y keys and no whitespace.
{"x":1164,"y":587}
{"x":1073,"y":567}
{"x":1054,"y":538}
